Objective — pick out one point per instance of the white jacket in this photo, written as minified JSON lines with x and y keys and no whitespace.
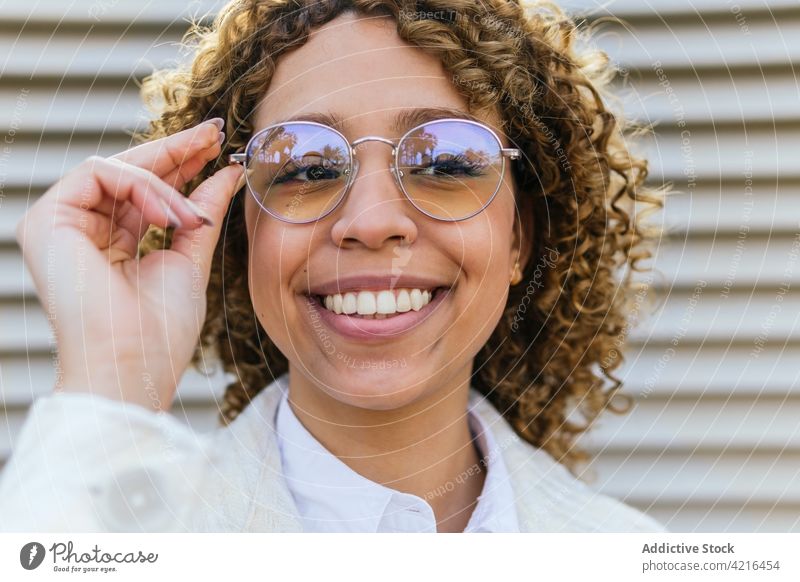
{"x":86,"y":463}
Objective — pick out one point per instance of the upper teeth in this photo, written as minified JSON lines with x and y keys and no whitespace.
{"x":380,"y":302}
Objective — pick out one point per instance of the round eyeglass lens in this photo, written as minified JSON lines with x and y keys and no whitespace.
{"x":450,"y":169}
{"x":298,"y":171}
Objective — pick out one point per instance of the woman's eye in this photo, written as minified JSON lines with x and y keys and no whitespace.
{"x":313,"y":173}
{"x":451,"y":167}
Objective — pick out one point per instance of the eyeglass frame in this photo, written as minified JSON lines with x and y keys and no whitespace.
{"x":511,"y":153}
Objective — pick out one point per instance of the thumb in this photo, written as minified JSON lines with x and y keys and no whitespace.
{"x":213,"y":197}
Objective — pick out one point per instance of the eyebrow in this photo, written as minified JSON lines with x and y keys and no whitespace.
{"x":402,"y":122}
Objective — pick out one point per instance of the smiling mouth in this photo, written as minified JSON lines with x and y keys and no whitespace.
{"x":378,"y":304}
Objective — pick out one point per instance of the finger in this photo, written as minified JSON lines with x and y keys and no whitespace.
{"x":124,"y":225}
{"x":72,"y":204}
{"x":193,"y":166}
{"x":181,"y":211}
{"x":179,"y":157}
{"x":213,"y":196}
{"x":104,"y":186}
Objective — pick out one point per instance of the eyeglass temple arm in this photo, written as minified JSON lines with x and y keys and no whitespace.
{"x":512,"y":153}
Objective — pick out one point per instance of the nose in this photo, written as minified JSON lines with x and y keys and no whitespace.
{"x":375,"y":211}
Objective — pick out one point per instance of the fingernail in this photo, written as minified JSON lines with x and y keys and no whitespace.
{"x":172,"y":219}
{"x":221,"y":136}
{"x":218,"y":121}
{"x":199,"y":212}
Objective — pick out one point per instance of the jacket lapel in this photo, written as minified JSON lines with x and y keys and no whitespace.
{"x":247,"y":491}
{"x":548,"y":497}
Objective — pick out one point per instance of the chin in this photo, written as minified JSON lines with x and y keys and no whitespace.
{"x":373,"y":388}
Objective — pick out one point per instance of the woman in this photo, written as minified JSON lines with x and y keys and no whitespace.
{"x":417,"y":287}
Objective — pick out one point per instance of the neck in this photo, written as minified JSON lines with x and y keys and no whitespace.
{"x":424,"y":448}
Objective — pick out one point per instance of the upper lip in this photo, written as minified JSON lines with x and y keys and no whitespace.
{"x":375,"y":282}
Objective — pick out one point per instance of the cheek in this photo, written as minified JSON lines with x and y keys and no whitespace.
{"x":491,"y":241}
{"x":486,"y":267}
{"x":488,"y":279}
{"x":272,"y":261}
{"x":264,"y":281}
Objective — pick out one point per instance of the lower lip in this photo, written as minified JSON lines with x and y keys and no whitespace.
{"x":362,"y":329}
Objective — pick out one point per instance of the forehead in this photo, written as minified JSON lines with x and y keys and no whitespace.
{"x":356,"y":72}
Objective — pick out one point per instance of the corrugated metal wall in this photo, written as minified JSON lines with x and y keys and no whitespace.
{"x":714,"y":441}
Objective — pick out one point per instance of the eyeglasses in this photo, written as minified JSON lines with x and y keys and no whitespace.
{"x":300,"y":171}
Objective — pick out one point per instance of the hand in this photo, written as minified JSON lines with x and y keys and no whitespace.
{"x":127,"y":328}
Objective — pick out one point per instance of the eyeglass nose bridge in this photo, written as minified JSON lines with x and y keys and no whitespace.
{"x":361,"y":140}
{"x":396,"y":173}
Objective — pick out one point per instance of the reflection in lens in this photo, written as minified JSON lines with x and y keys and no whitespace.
{"x":298,"y":171}
{"x":450,"y":169}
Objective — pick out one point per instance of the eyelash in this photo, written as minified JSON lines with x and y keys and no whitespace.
{"x":471,"y":169}
{"x":285,"y":177}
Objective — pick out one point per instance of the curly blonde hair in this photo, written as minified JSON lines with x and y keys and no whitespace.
{"x":556,"y":346}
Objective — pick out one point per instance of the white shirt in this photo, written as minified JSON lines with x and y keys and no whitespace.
{"x":332,"y":497}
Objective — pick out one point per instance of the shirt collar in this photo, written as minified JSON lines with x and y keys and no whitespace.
{"x":332,"y":497}
{"x":496,"y":510}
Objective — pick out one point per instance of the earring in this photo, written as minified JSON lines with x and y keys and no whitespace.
{"x":516,"y":274}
